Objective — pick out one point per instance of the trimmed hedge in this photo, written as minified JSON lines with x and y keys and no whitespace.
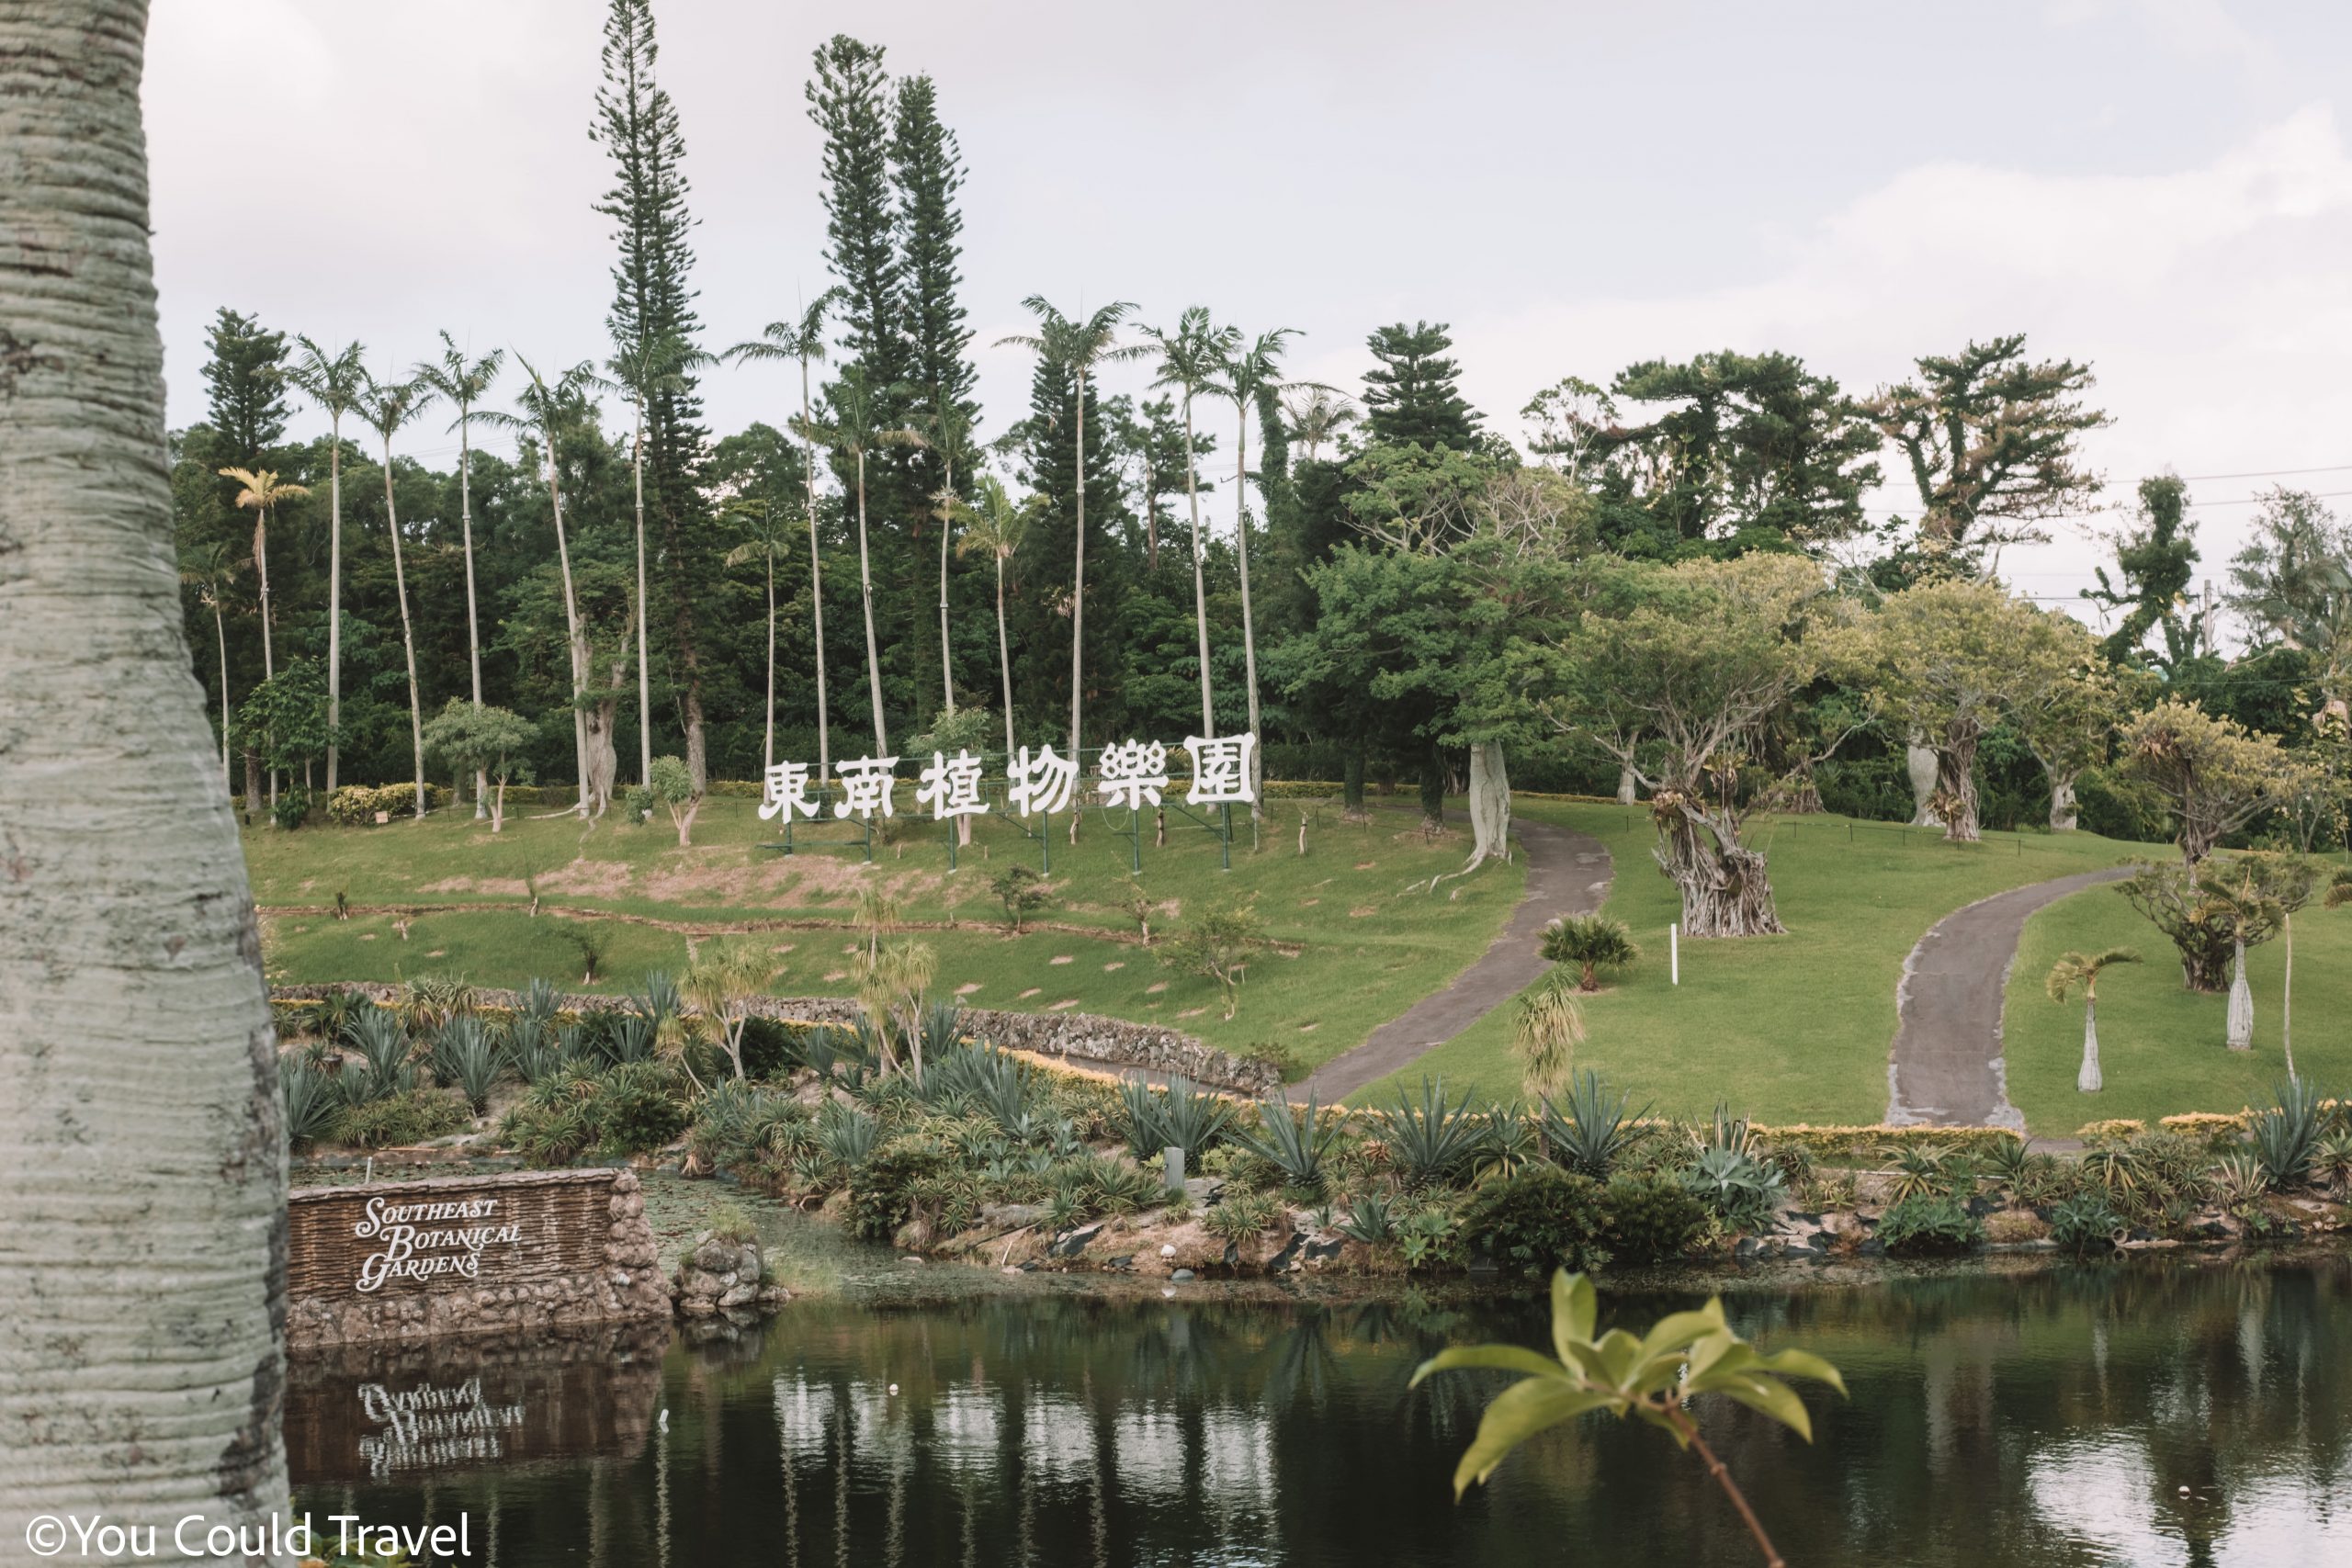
{"x":355,"y":806}
{"x":1869,"y":1142}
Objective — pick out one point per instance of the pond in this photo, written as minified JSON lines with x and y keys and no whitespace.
{"x":2143,"y":1411}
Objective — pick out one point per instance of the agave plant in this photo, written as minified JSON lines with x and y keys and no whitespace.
{"x":1431,"y":1141}
{"x":1652,"y":1378}
{"x":2287,"y":1136}
{"x":846,"y":1133}
{"x":1178,"y":1117}
{"x":1588,"y":1130}
{"x":1371,"y":1218}
{"x":309,"y":1099}
{"x":1506,"y":1141}
{"x":1741,"y":1189}
{"x":465,"y":1058}
{"x":2239,"y":1179}
{"x":432,"y":1000}
{"x":1920,"y":1172}
{"x":381,"y":1041}
{"x":1293,"y":1140}
{"x":2009,"y":1166}
{"x":2332,"y":1163}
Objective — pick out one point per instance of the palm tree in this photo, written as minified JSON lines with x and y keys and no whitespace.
{"x":387,"y":405}
{"x":657,"y":366}
{"x":951,"y":437}
{"x":1591,"y":942}
{"x":996,"y":526}
{"x":1188,"y":360}
{"x":2083,"y":969}
{"x":261,"y":491}
{"x":210,"y":571}
{"x":803,"y":341}
{"x":140,"y":1318}
{"x":854,"y":432}
{"x":2245,"y":908}
{"x":1248,"y":373}
{"x":548,"y":412}
{"x":333,"y":381}
{"x":1317,"y":417}
{"x":464,"y":385}
{"x":764,"y":544}
{"x":1076,"y":347}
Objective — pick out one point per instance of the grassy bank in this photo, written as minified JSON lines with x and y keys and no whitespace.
{"x":2160,"y":1043}
{"x":1354,"y":945}
{"x":1787,"y":1029}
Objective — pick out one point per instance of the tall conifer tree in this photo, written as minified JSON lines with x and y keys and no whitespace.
{"x":637,"y":125}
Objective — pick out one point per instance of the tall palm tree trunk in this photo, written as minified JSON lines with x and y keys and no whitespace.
{"x":408,"y":634}
{"x":1003,"y":657}
{"x":865,"y":585}
{"x":767,"y":744}
{"x":644,"y":686}
{"x":1248,"y":631}
{"x":334,"y":592}
{"x":946,"y":668}
{"x":268,"y":664}
{"x":1077,"y":610}
{"x":473,"y":618}
{"x":816,"y":581}
{"x":578,"y":643}
{"x":1200,"y":571}
{"x":144,"y":1190}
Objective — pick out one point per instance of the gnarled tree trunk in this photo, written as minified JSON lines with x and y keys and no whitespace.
{"x":1490,"y":804}
{"x":2063,"y":817}
{"x":1919,"y":761}
{"x":1725,"y":890}
{"x":599,"y":717}
{"x":1628,"y":790}
{"x":1955,"y":799}
{"x":142,"y":1200}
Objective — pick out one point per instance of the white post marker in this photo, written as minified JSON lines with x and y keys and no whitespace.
{"x":1674,"y":954}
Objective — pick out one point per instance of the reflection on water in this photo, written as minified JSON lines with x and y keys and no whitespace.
{"x":2166,"y":1415}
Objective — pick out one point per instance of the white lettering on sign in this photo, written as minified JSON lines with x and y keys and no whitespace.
{"x":420,"y":1241}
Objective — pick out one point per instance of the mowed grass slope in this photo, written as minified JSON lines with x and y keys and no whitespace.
{"x":1358,"y":947}
{"x":2160,"y":1045}
{"x":1785,"y":1029}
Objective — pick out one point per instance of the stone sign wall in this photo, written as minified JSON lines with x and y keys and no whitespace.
{"x":466,"y":1255}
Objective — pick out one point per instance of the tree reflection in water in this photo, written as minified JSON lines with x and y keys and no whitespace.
{"x":2184,"y":1412}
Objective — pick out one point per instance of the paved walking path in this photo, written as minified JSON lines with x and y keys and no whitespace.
{"x":1946,"y":1068}
{"x":1567,"y":874}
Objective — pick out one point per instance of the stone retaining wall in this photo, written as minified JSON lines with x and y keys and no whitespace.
{"x":1088,"y":1038}
{"x":566,"y":1247}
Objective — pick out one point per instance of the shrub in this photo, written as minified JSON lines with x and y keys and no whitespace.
{"x":410,"y":1116}
{"x":1591,"y":942}
{"x":1428,"y":1240}
{"x":1536,"y":1219}
{"x":1177,"y":1117}
{"x":1023,"y":890}
{"x":2084,"y":1223}
{"x":1738,"y":1189}
{"x":1928,"y":1224}
{"x":736,"y":1123}
{"x":1218,"y":945}
{"x":731,"y":1222}
{"x":1371,"y":1218}
{"x":1239,"y":1218}
{"x":882,"y":1187}
{"x":1649,"y":1219}
{"x":293,"y":808}
{"x":355,"y":806}
{"x":1588,"y":1130}
{"x":846,"y":1134}
{"x":637,"y":1108}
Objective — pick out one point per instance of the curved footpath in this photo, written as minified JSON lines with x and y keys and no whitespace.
{"x":1567,"y":874}
{"x":1945,"y":1068}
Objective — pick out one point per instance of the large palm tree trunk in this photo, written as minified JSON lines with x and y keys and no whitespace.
{"x":946,"y":666}
{"x":576,"y":645}
{"x":1248,"y":631}
{"x":866,"y":586}
{"x":220,"y":637}
{"x":767,"y":742}
{"x":334,"y":590}
{"x":816,"y":584}
{"x":408,"y":634}
{"x":1003,"y":657}
{"x":142,"y":1268}
{"x":261,"y":574}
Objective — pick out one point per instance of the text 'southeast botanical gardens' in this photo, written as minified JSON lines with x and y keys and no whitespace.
{"x":1299,"y":786}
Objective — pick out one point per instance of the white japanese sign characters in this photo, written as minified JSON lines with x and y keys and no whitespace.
{"x":1040,"y":783}
{"x":951,"y":786}
{"x":1221,"y":770}
{"x":1129,"y":774}
{"x":1133,"y":773}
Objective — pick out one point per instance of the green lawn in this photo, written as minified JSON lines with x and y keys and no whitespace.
{"x":1790,"y":1028}
{"x":2159,"y":1043}
{"x":1358,"y":948}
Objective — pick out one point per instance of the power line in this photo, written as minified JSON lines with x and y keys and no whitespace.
{"x":2266,"y":473}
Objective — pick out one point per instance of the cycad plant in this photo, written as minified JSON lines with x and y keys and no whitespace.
{"x":2084,"y":969}
{"x":1591,"y":942}
{"x":1652,"y":1377}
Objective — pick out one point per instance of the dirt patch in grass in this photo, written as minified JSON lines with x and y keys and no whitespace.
{"x":595,"y":878}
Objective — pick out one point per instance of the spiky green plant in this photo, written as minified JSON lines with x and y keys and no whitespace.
{"x":1429,"y":1140}
{"x":1588,"y":1131}
{"x":1591,"y":942}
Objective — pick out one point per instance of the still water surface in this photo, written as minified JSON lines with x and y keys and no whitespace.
{"x":2147,"y":1414}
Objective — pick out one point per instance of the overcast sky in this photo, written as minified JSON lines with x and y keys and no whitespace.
{"x":2162,"y":187}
